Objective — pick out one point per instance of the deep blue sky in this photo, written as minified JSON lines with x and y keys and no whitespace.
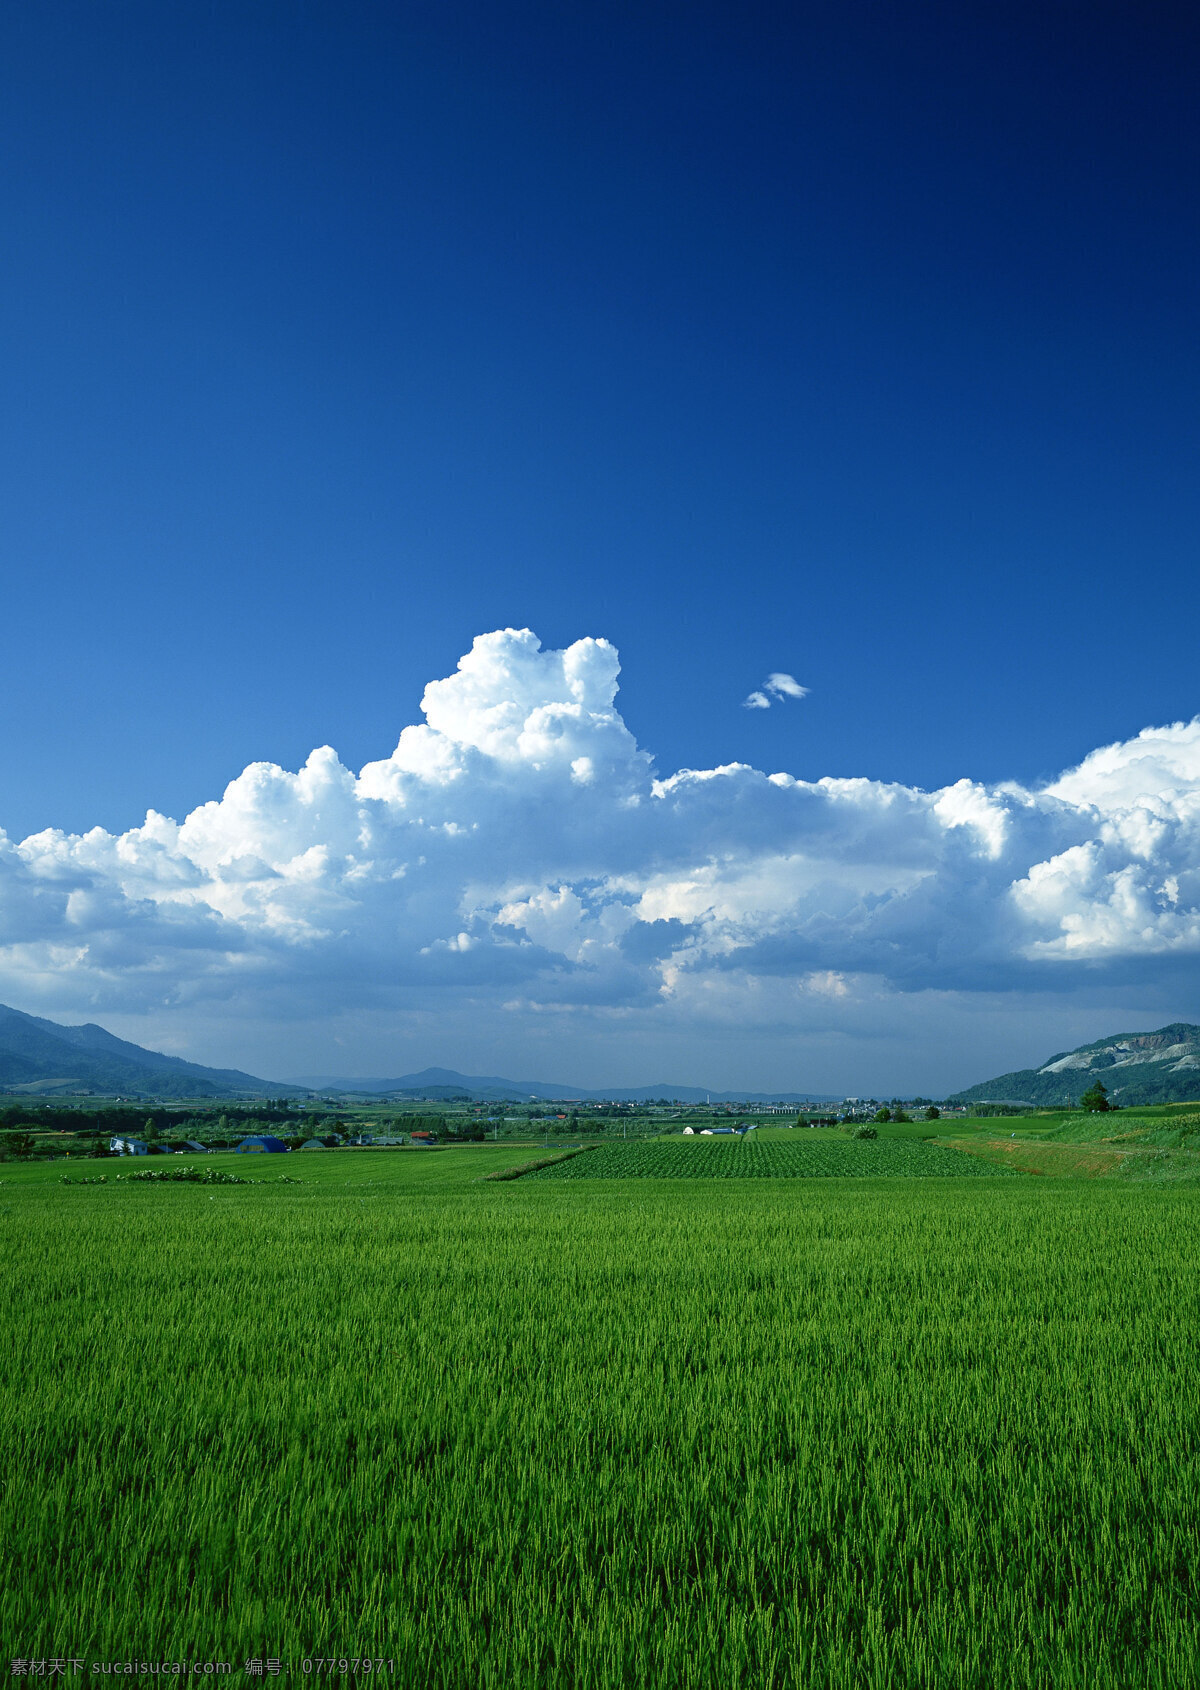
{"x":857,"y":341}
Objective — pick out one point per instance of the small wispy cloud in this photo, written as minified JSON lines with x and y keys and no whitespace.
{"x":776,"y":685}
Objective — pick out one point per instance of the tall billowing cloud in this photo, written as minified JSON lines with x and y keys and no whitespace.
{"x":518,"y":848}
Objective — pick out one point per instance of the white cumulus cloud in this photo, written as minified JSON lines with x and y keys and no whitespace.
{"x":517,"y":848}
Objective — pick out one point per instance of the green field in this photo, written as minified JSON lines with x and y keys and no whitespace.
{"x":1160,"y":1144}
{"x":799,"y":1155}
{"x":862,"y":1432}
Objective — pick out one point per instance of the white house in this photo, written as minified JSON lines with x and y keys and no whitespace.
{"x":129,"y":1146}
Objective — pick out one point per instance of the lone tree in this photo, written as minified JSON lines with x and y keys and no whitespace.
{"x":1095,"y":1100}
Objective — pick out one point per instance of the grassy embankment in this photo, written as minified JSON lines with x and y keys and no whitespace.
{"x":1162,"y":1142}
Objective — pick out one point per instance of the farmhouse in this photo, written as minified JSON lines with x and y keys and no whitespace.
{"x":129,"y":1146}
{"x":262,"y":1142}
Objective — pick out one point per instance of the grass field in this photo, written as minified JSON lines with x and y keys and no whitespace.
{"x":1160,"y":1144}
{"x":710,"y":1433}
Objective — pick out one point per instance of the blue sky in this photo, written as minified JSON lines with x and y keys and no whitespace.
{"x":853,"y":342}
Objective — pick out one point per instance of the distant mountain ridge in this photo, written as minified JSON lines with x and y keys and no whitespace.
{"x":493,"y":1088}
{"x":44,"y":1057}
{"x":1136,"y":1068}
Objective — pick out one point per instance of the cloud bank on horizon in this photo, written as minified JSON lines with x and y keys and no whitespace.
{"x":519,"y":851}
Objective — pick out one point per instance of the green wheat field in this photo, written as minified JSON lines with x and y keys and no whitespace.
{"x":572,"y":1430}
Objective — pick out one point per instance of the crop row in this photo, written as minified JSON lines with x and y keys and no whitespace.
{"x":806,"y":1158}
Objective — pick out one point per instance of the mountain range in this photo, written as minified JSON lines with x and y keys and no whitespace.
{"x":45,"y":1058}
{"x":42,"y":1058}
{"x":446,"y":1083}
{"x":1136,"y":1068}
